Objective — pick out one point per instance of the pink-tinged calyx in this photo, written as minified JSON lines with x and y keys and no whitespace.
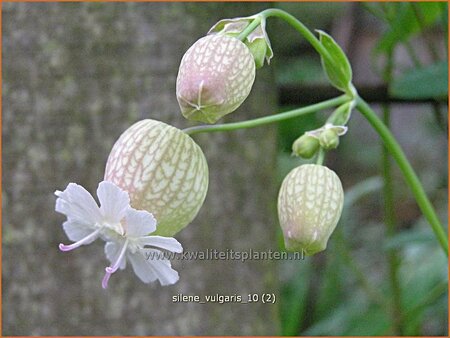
{"x":164,"y":172}
{"x":216,"y":75}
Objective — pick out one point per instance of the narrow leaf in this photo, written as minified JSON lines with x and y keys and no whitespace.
{"x":338,"y":70}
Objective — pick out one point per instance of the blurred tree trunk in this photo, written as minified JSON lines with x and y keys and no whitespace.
{"x":76,"y":75}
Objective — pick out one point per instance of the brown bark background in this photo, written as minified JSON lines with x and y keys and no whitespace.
{"x":76,"y":75}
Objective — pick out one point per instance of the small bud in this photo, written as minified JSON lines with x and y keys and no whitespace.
{"x":305,"y":146}
{"x":328,"y":135}
{"x":164,"y":172}
{"x":215,"y":77}
{"x":309,"y":207}
{"x":329,"y":139}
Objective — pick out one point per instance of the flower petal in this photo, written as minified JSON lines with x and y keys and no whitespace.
{"x":77,"y":204}
{"x":141,"y":268}
{"x":139,"y":223}
{"x":166,"y":243}
{"x":113,"y":201}
{"x":112,"y":252}
{"x":150,"y":270}
{"x":77,"y":231}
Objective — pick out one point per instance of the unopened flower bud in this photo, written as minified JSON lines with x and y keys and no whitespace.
{"x":305,"y":146}
{"x":215,"y":77}
{"x":309,"y":207}
{"x":164,"y":172}
{"x":329,"y":139}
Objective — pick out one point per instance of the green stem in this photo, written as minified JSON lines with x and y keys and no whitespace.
{"x":250,"y":28}
{"x":389,"y":213}
{"x":320,"y":156}
{"x":301,"y":28}
{"x":408,"y":172}
{"x":390,"y":221}
{"x":268,"y":119}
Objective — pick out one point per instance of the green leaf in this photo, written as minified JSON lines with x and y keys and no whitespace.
{"x":338,"y":70}
{"x":422,"y":83}
{"x":406,"y":23}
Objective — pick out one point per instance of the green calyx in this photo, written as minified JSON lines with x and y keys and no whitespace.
{"x":329,"y":139}
{"x":252,"y":32}
{"x":305,"y":146}
{"x":327,"y":136}
{"x":342,"y":114}
{"x":309,"y":206}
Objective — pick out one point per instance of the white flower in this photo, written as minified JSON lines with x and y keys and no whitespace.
{"x":85,"y":220}
{"x":123,"y":228}
{"x":137,"y":225}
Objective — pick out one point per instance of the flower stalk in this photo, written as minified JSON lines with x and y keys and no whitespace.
{"x":268,"y":119}
{"x":250,"y":28}
{"x":408,"y":172}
